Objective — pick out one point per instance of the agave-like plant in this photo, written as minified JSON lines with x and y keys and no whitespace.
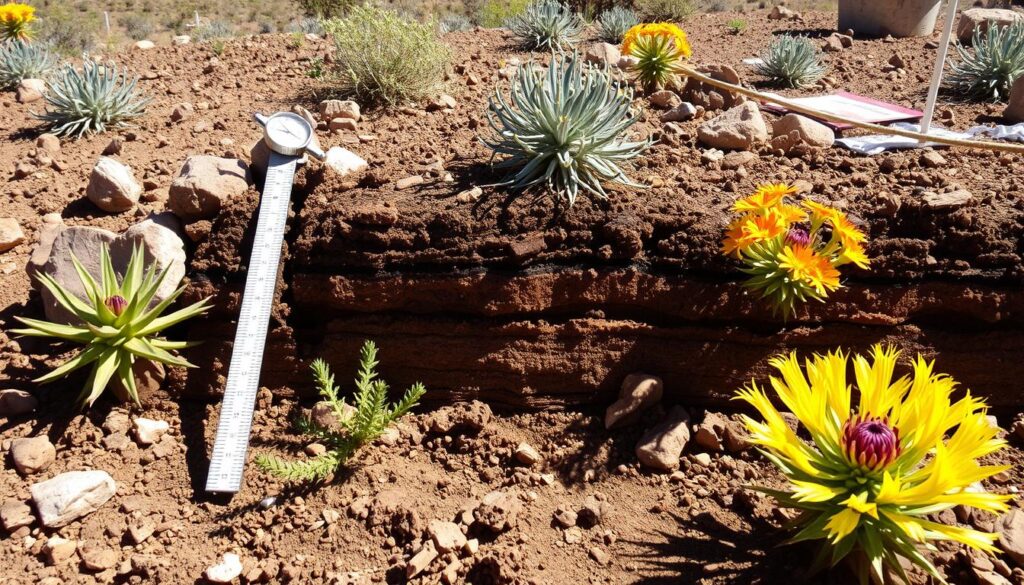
{"x":20,"y":60}
{"x":118,"y":325}
{"x":98,"y":97}
{"x":563,"y":128}
{"x":614,"y":22}
{"x":792,"y":61}
{"x":987,"y":72}
{"x":548,"y":25}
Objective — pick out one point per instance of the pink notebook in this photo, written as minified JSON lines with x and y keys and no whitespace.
{"x":853,"y":106}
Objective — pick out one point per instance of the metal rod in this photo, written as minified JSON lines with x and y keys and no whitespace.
{"x":940,"y":64}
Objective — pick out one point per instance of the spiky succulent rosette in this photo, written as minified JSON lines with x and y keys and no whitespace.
{"x":659,"y":49}
{"x":564,"y":128}
{"x":547,"y":25}
{"x":792,"y":253}
{"x":878,"y":462}
{"x":94,"y":99}
{"x":119,"y":325}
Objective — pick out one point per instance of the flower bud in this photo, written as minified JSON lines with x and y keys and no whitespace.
{"x":870,"y":442}
{"x":798,"y":235}
{"x":117,"y":304}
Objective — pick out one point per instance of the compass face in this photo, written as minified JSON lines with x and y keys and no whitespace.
{"x":288,"y":132}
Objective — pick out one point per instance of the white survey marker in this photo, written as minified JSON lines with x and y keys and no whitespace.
{"x":289,"y":136}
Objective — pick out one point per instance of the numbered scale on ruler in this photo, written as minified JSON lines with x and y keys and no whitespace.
{"x":289,"y":136}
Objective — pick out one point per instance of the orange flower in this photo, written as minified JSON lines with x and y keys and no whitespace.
{"x":807,"y":266}
{"x":665,"y":31}
{"x":14,"y":21}
{"x":853,"y":253}
{"x":767,"y":196}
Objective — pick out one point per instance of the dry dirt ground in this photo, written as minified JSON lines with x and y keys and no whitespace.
{"x":700,"y":525}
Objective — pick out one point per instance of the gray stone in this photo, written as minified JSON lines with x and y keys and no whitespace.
{"x":71,"y":495}
{"x":344,"y":162}
{"x":205,"y":184}
{"x":740,"y":128}
{"x":33,"y":454}
{"x":638,"y":393}
{"x":1010,"y":528}
{"x":10,"y":233}
{"x":226,"y":571}
{"x":662,"y":446}
{"x":112,"y":186}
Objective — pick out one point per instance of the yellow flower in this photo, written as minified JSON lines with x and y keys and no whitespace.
{"x":663,"y":31}
{"x":853,"y":253}
{"x":767,"y":196}
{"x":805,"y":265}
{"x":752,"y":229}
{"x":924,"y":444}
{"x":14,"y":20}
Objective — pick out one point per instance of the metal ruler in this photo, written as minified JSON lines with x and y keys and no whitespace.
{"x":232,"y":443}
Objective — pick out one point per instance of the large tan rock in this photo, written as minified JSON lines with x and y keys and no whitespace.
{"x":1014,"y":111}
{"x":794,"y":130}
{"x":661,"y":446}
{"x":638,"y":393}
{"x":205,"y":184}
{"x":10,"y":233}
{"x":71,"y":495}
{"x":112,"y":186}
{"x":982,"y":18}
{"x":740,"y":128}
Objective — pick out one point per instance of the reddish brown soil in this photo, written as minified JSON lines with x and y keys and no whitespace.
{"x":609,"y":289}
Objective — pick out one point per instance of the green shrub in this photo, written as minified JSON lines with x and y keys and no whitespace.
{"x":22,"y":60}
{"x":359,"y":424}
{"x":307,"y":25}
{"x":613,"y":24}
{"x":91,"y":100}
{"x":792,"y":61}
{"x":453,"y":23}
{"x":68,"y":31}
{"x":987,"y":71}
{"x":563,"y":128}
{"x":548,"y":25}
{"x":137,"y":27}
{"x":118,"y":325}
{"x":495,"y":13}
{"x":385,"y":60}
{"x":736,"y":25}
{"x":215,"y":29}
{"x":665,"y":10}
{"x":324,"y":9}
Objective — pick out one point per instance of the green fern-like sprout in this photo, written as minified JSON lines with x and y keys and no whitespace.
{"x":371,"y":417}
{"x":792,"y":61}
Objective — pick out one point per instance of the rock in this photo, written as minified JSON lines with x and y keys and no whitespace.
{"x":1010,"y":528}
{"x":1014,"y":112}
{"x":946,"y":201}
{"x":409,"y":182}
{"x":442,"y":102}
{"x":527,"y":455}
{"x":603,"y":54}
{"x":737,"y":159}
{"x":832,"y":44}
{"x":740,"y":128}
{"x":447,"y":536}
{"x":10,"y":233}
{"x":53,"y":257}
{"x":498,"y":511}
{"x":182,"y":111}
{"x":97,"y":558}
{"x":71,"y":495}
{"x":982,"y":18}
{"x":59,"y":550}
{"x":932,"y":160}
{"x":665,"y":99}
{"x":780,"y":12}
{"x":794,"y":130}
{"x":144,"y":45}
{"x":711,"y":431}
{"x":344,"y":162}
{"x":342,"y":124}
{"x":180,"y":40}
{"x":470,"y":416}
{"x":661,"y":446}
{"x":712,"y":156}
{"x":14,"y":514}
{"x":702,"y":459}
{"x":49,"y":143}
{"x":32,"y":455}
{"x":681,"y":113}
{"x":594,"y":511}
{"x":149,"y":431}
{"x":469,"y":195}
{"x":226,"y":571}
{"x":990,"y":578}
{"x":204,"y":184}
{"x":30,"y":90}
{"x":565,"y":518}
{"x":735,"y":438}
{"x":112,"y":186}
{"x":331,"y":109}
{"x":638,"y":393}
{"x":15,"y":402}
{"x":421,"y":560}
{"x":598,"y":554}
{"x":322,"y":414}
{"x":140,"y":532}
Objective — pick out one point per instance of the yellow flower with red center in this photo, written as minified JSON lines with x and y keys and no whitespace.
{"x":14,"y":21}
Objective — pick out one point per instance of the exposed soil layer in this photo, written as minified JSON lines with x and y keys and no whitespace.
{"x":536,"y":304}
